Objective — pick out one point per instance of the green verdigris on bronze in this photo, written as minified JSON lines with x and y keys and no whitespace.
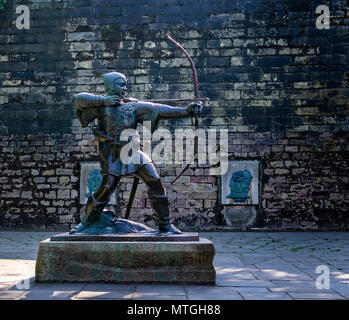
{"x":115,"y":114}
{"x":102,"y":248}
{"x":2,"y":4}
{"x":240,"y":184}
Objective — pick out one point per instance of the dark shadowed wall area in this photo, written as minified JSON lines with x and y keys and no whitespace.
{"x":279,"y":84}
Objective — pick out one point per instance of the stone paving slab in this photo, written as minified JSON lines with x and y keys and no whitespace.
{"x":244,"y":283}
{"x":251,"y":289}
{"x":315,"y":296}
{"x":297,"y":286}
{"x":103,"y":295}
{"x":280,"y":274}
{"x":265,"y":296}
{"x":222,"y":259}
{"x":76,"y":287}
{"x":176,"y":290}
{"x":249,"y":265}
{"x":47,"y":295}
{"x":100,"y":291}
{"x":201,"y":296}
{"x":231,"y":273}
{"x":11,"y":294}
{"x":253,"y":258}
{"x":342,"y":289}
{"x":209,"y":290}
{"x":7,"y":285}
{"x":49,"y":291}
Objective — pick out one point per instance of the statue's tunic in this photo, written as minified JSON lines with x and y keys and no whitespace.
{"x":112,"y":121}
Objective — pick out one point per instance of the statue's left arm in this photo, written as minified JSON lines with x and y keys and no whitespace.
{"x":155,"y":111}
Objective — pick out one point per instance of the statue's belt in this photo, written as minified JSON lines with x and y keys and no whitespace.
{"x":102,"y":136}
{"x":114,"y":142}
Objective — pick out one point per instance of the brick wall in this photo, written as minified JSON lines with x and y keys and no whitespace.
{"x":274,"y":80}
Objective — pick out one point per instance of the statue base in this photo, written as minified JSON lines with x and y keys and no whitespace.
{"x":182,"y":258}
{"x":141,"y":236}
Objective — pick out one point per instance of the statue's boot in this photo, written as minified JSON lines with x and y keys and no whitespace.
{"x":162,"y":212}
{"x":92,"y":213}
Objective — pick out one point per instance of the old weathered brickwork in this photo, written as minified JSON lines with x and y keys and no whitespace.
{"x":279,"y":84}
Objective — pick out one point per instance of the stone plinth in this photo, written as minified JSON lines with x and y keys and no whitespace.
{"x":126,"y":261}
{"x":140,"y":236}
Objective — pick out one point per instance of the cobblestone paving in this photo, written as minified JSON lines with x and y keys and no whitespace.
{"x":249,"y":266}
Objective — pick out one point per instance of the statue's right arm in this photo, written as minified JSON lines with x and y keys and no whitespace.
{"x":87,"y":100}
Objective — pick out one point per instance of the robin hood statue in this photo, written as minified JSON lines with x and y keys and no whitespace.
{"x":115,"y":114}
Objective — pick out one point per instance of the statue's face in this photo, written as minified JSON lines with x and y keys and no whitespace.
{"x":119,"y":87}
{"x":115,"y":83}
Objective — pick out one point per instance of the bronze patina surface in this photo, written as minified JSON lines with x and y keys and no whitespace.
{"x":104,"y":248}
{"x":114,"y":115}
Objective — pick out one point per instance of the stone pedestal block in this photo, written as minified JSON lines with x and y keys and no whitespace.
{"x":126,"y":261}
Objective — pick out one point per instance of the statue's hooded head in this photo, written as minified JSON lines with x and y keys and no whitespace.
{"x":115,"y":83}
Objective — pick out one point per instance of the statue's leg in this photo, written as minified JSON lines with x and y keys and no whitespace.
{"x":157,"y":197}
{"x":96,"y":202}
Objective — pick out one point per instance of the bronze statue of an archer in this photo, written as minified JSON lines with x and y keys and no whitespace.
{"x":113,"y":116}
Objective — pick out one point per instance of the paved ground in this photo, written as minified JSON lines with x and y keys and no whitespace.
{"x":249,"y":265}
